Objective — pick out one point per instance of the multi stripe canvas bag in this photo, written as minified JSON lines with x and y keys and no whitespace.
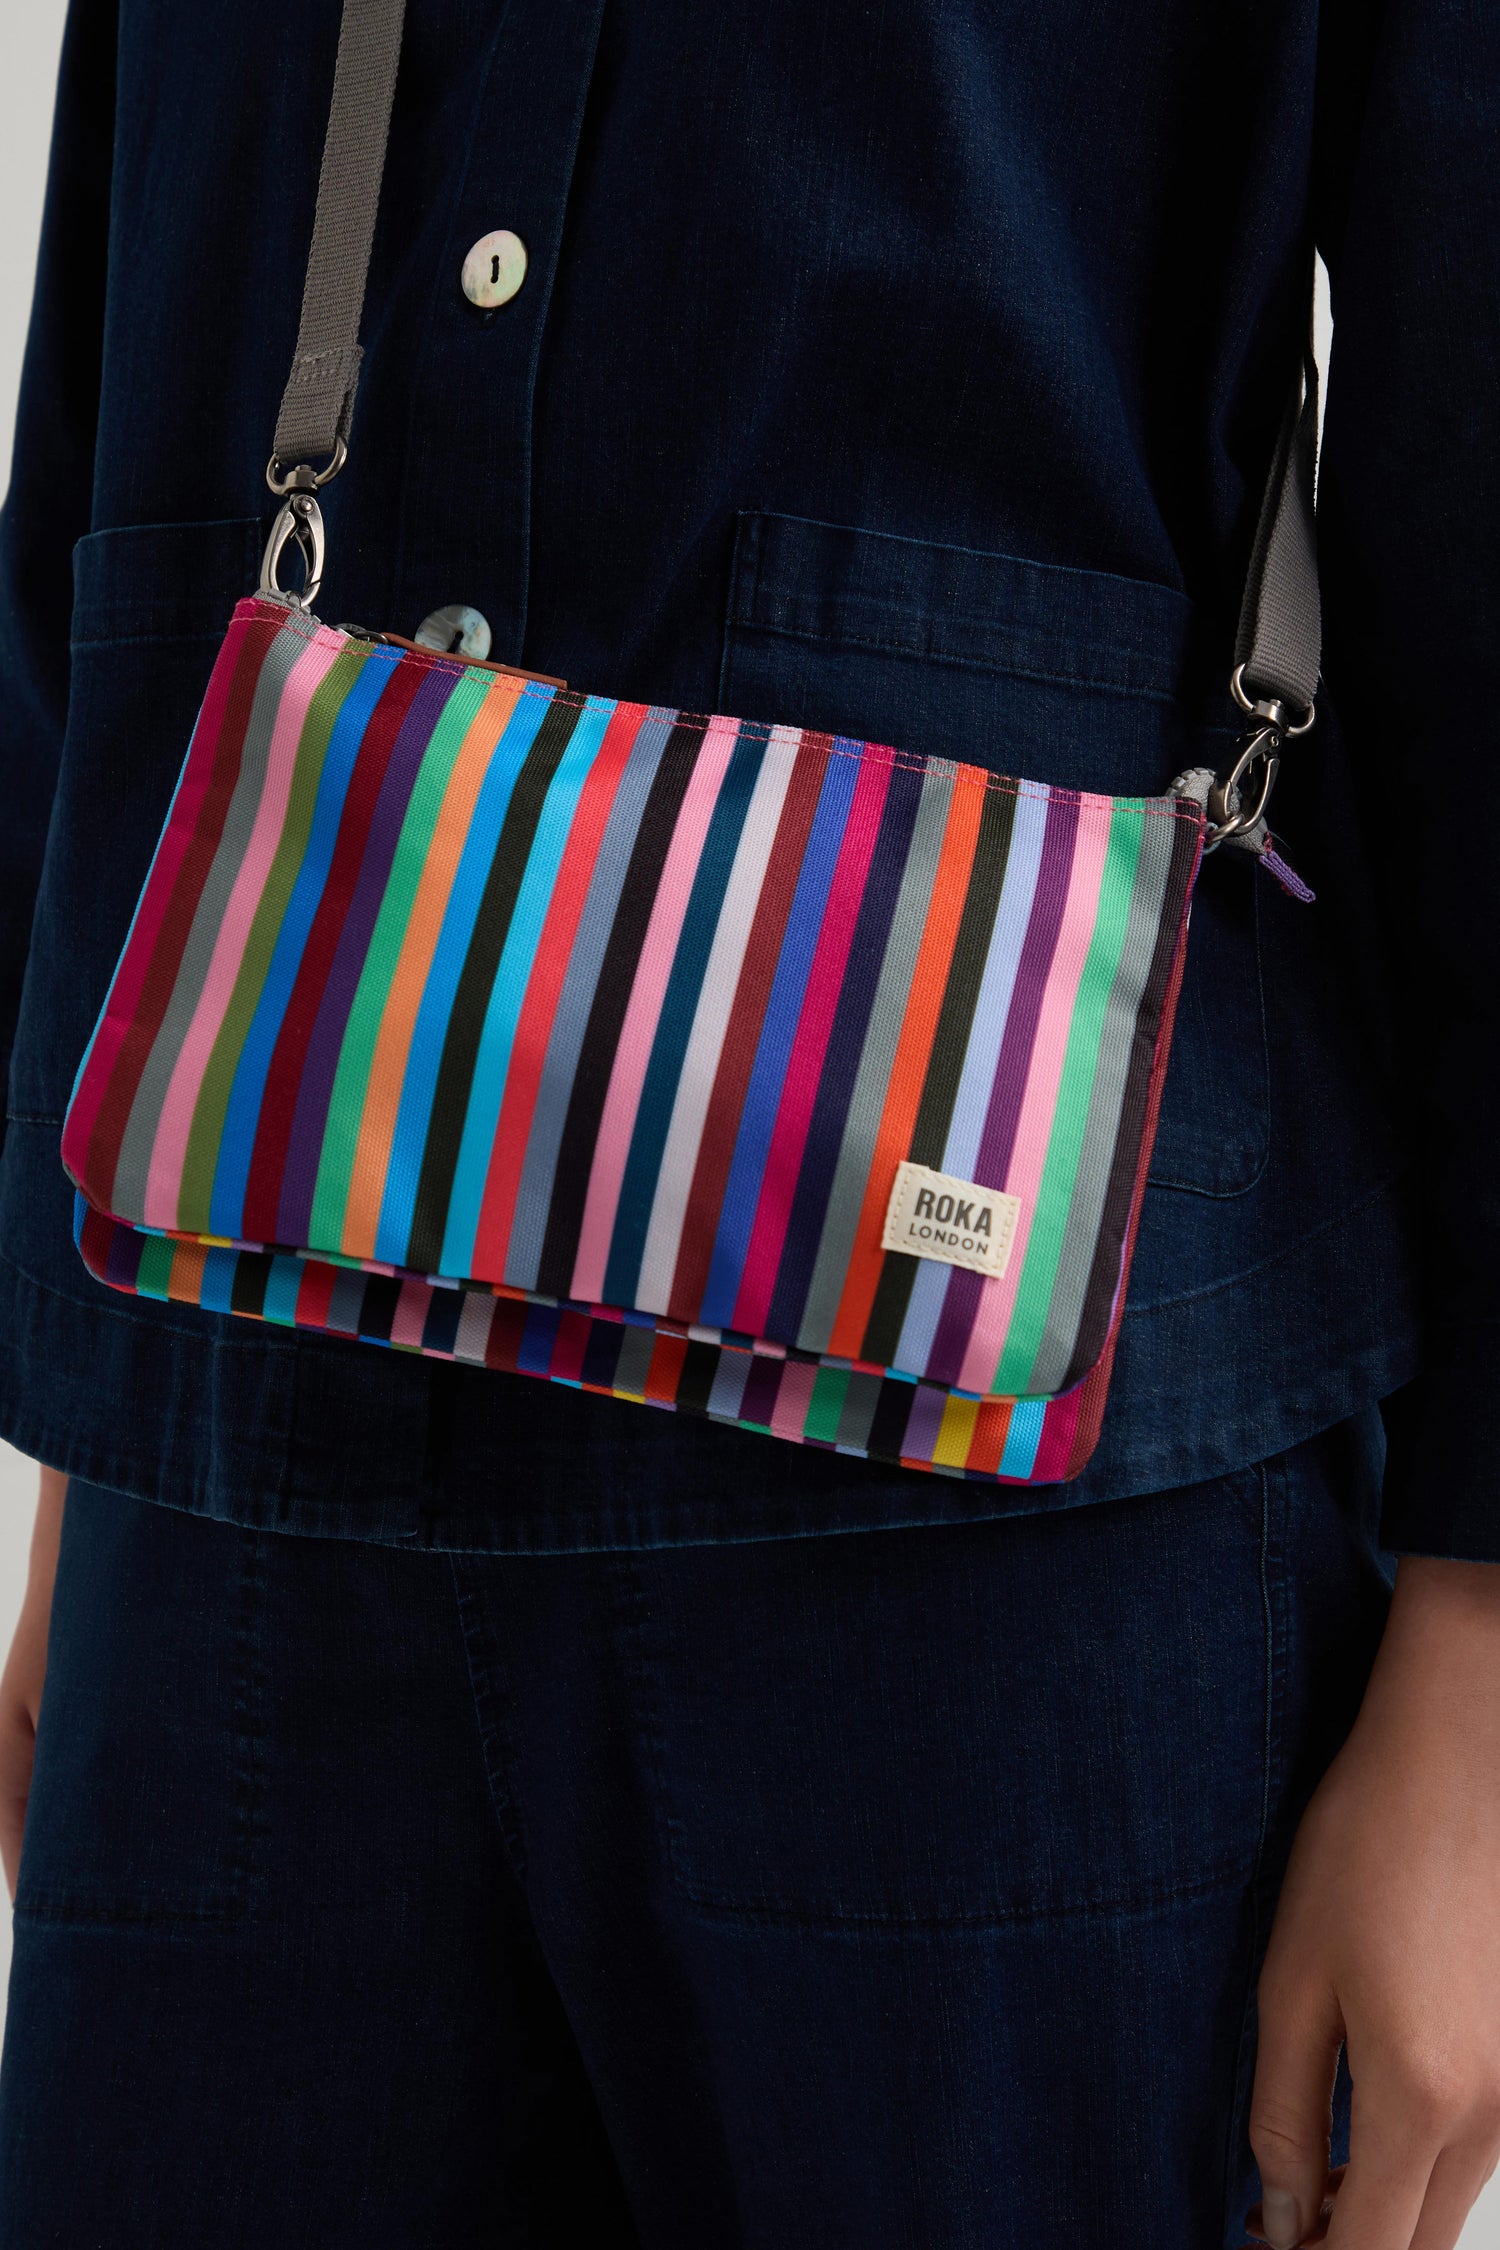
{"x":798,"y":1081}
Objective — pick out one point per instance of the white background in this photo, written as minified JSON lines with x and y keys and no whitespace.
{"x":28,"y":65}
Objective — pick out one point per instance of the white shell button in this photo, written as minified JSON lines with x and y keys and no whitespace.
{"x":494,"y":269}
{"x":457,"y":630}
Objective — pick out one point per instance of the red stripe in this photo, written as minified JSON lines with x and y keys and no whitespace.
{"x":569,"y":1347}
{"x":143,"y":984}
{"x":721,"y":1123}
{"x":279,"y":1102}
{"x":94,"y":1240}
{"x":314,"y":1295}
{"x":665,"y":1372}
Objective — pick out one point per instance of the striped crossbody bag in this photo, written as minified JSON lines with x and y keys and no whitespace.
{"x":793,"y":1080}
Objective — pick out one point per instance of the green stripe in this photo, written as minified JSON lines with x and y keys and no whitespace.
{"x":1070,"y":1116}
{"x":156,"y":1267}
{"x":346,"y":1106}
{"x":826,"y":1405}
{"x":1070,"y":1289}
{"x":206,"y":1135}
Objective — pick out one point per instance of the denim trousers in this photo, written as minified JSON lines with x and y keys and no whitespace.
{"x":895,"y":1888}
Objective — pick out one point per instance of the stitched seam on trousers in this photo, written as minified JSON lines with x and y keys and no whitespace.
{"x":1229,"y":1876}
{"x":642,"y":1676}
{"x":489,"y":1725}
{"x":162,"y":1921}
{"x":250,"y":1817}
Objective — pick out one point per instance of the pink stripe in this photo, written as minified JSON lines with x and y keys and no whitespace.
{"x":1039,"y":1102}
{"x":1056,"y":1442}
{"x":804,"y":1070}
{"x":410,"y":1316}
{"x":166,"y":865}
{"x":164,"y":1180}
{"x":612,"y":1148}
{"x":793,"y":1398}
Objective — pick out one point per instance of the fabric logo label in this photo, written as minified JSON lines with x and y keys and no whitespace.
{"x":932,"y":1215}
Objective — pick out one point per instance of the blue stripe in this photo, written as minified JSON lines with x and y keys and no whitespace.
{"x":440,"y":1330}
{"x":763,"y":1096}
{"x":534,"y":1199}
{"x":430,"y":1029}
{"x":217,"y":1291}
{"x":537,"y":1340}
{"x":226,"y":1210}
{"x":512,"y":975}
{"x":675,"y":1026}
{"x":1023,"y":1437}
{"x":281,"y":1291}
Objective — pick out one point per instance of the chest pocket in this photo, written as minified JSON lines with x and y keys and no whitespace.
{"x":1072,"y":677}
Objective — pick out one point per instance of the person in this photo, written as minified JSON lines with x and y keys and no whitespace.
{"x":468,"y":1806}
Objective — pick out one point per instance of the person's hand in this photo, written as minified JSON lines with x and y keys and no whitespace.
{"x":21,"y":1681}
{"x":1387,"y":1939}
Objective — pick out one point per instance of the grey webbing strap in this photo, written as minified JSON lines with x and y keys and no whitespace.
{"x":319,"y":396}
{"x":1278,"y":646}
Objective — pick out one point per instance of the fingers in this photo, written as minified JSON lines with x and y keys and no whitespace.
{"x":1300,"y":2033}
{"x":1452,"y":2191}
{"x":17,"y":1749}
{"x":1392,"y":2154}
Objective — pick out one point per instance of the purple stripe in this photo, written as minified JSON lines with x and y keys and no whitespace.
{"x":761,"y":1385}
{"x":294,"y":1210}
{"x":961,"y":1302}
{"x":123,"y":1263}
{"x":925,"y":1420}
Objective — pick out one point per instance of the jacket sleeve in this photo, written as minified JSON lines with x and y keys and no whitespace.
{"x":48,"y":505}
{"x":1408,"y":208}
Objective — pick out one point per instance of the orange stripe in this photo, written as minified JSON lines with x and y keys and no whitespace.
{"x":377,"y":1125}
{"x":909,"y":1070}
{"x":185,"y":1281}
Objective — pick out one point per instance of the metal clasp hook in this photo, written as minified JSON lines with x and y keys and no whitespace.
{"x":1232,"y":807}
{"x":298,"y":519}
{"x":1237,"y":802}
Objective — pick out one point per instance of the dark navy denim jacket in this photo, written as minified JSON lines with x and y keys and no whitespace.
{"x":903,"y":368}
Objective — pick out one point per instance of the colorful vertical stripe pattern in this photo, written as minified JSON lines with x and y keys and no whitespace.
{"x":584,"y":1038}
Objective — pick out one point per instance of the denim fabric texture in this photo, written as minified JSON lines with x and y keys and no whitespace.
{"x":912,"y":374}
{"x":846,"y":1893}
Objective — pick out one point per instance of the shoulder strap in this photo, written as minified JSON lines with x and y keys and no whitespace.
{"x":1278,"y":645}
{"x":319,"y":397}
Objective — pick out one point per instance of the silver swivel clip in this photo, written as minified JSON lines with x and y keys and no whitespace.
{"x":1238,"y":799}
{"x":299,"y":523}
